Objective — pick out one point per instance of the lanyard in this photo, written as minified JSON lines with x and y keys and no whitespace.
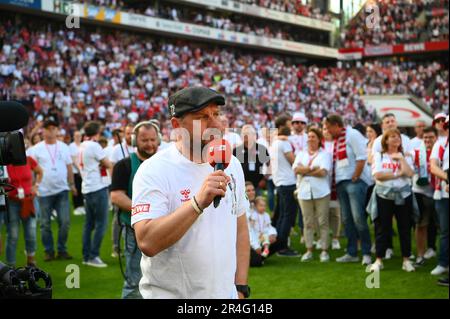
{"x":311,"y":159}
{"x":52,"y":157}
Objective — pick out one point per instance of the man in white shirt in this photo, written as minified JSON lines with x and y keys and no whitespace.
{"x":78,"y":201}
{"x":439,"y":165}
{"x":350,"y":181}
{"x":418,"y":139}
{"x":281,"y":158}
{"x":53,"y":192}
{"x":191,"y":249}
{"x":298,"y":137}
{"x":93,"y":167}
{"x":389,"y":122}
{"x":124,"y":149}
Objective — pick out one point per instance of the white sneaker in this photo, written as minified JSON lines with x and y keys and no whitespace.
{"x":319,"y":245}
{"x":408,"y":266}
{"x":389,"y":254}
{"x":79,"y":211}
{"x":335,"y":244}
{"x":430,"y":253}
{"x":376,"y":266}
{"x":439,"y":270}
{"x":307,"y":256}
{"x":367,"y":260}
{"x":324,"y":257}
{"x":96,"y":262}
{"x":347,"y":259}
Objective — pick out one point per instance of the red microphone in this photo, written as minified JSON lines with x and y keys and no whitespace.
{"x":219,"y":157}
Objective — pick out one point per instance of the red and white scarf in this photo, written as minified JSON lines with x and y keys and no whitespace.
{"x":437,"y":181}
{"x":340,"y":159}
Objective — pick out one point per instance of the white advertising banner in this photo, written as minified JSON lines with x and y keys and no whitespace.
{"x":405,"y":110}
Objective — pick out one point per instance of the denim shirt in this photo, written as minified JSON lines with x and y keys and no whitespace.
{"x":356,"y":151}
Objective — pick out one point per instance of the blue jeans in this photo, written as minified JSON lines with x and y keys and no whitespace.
{"x":271,"y":194}
{"x":442,"y":211}
{"x":60,"y":203}
{"x":288,"y":207}
{"x":13,"y":223}
{"x":133,"y":272}
{"x":352,"y":198}
{"x":96,"y":205}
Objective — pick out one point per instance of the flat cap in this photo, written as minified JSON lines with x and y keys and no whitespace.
{"x":193,"y":99}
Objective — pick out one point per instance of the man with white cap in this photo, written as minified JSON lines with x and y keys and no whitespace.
{"x":299,"y":138}
{"x":439,"y":124}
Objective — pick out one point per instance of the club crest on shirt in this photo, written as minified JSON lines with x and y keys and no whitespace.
{"x":185,"y":193}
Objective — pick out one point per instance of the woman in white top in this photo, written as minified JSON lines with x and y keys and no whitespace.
{"x":392,"y":171}
{"x":313,"y":190}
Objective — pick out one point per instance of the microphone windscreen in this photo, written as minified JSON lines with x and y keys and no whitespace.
{"x":219,"y":151}
{"x":13,"y":116}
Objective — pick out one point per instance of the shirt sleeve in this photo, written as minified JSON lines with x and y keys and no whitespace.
{"x":32,"y":162}
{"x":376,"y":145}
{"x":435,"y":151}
{"x":377,"y":163}
{"x":121,"y":176}
{"x":67,"y":156}
{"x":326,"y":161}
{"x":99,"y":152}
{"x":287,"y":147}
{"x":358,"y":145}
{"x":149,"y":194}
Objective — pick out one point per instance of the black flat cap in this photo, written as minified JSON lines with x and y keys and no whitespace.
{"x":193,"y":99}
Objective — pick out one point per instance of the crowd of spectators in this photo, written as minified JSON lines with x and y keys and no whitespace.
{"x":289,"y":6}
{"x":397,"y":22}
{"x":119,"y":77}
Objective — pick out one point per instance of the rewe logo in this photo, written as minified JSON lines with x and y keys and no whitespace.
{"x":138,"y":209}
{"x":185,"y":193}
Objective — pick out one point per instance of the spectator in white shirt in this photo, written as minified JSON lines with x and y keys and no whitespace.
{"x":439,"y":124}
{"x":392,"y":170}
{"x":298,"y":137}
{"x":389,"y":122}
{"x":93,"y":167}
{"x":418,"y":129}
{"x":53,"y":192}
{"x":312,"y":167}
{"x":281,"y":159}
{"x":439,"y":165}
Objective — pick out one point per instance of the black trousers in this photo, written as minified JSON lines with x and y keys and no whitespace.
{"x":383,"y":225}
{"x":78,"y":200}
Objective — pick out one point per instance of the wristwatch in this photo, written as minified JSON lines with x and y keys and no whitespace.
{"x":244,"y":289}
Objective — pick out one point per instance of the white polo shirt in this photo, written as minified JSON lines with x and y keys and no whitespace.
{"x":53,"y":158}
{"x":311,"y":187}
{"x":202,"y":264}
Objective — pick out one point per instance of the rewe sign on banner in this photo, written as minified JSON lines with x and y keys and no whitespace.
{"x":383,"y":50}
